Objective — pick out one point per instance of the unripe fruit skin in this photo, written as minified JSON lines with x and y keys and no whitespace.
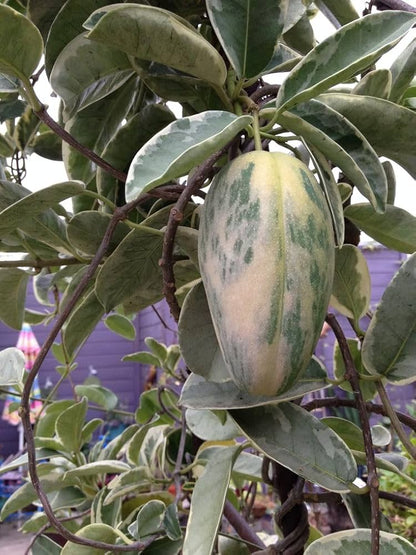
{"x":266,"y":255}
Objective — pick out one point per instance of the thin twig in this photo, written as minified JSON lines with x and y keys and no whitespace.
{"x":241,"y":526}
{"x":398,"y":498}
{"x":395,"y":422}
{"x":175,"y":218}
{"x":371,"y":407}
{"x":352,"y":376}
{"x":393,"y":5}
{"x":88,"y":153}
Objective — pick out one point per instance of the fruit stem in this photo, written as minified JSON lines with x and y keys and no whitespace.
{"x":256,"y":130}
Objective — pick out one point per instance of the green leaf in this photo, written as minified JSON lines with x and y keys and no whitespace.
{"x":40,"y":454}
{"x":375,"y":83}
{"x":343,"y":144}
{"x":283,"y":59}
{"x":246,"y":466}
{"x":278,"y":430}
{"x":89,"y":428}
{"x":12,"y":367}
{"x":391,"y":181}
{"x":9,"y":85}
{"x":42,"y":13}
{"x":45,"y":546}
{"x":156,"y":35}
{"x":337,"y":58}
{"x":163,"y":546}
{"x":66,"y":26}
{"x":331,"y":191}
{"x":295,"y":10}
{"x":351,"y":289}
{"x":143,"y":357}
{"x":389,"y":346}
{"x":359,"y":509}
{"x":18,"y":57}
{"x":206,"y":425}
{"x":231,"y":546}
{"x":86,"y":231}
{"x":149,"y":405}
{"x":45,"y":226}
{"x":149,"y":519}
{"x":358,"y":541}
{"x":301,"y":36}
{"x":82,"y":322}
{"x":97,"y":532}
{"x":237,"y":23}
{"x":98,"y":467}
{"x":11,"y":109}
{"x":344,"y":12}
{"x":349,"y":432}
{"x":68,"y":426}
{"x":200,"y":394}
{"x":121,"y":325}
{"x":120,"y":151}
{"x":93,"y":127}
{"x":396,"y":228}
{"x":368,"y":388}
{"x":131,"y":481}
{"x":26,"y":494}
{"x":380,"y":436}
{"x":13,"y":283}
{"x":34,"y":204}
{"x":171,"y":523}
{"x":187,"y":239}
{"x":200,"y":351}
{"x":388,"y":127}
{"x":208,"y":502}
{"x":135,"y":264}
{"x":112,"y":449}
{"x":179,"y":147}
{"x":48,"y":145}
{"x":403,"y":70}
{"x":157,"y":348}
{"x":85,"y":72}
{"x":46,"y":425}
{"x":98,"y":395}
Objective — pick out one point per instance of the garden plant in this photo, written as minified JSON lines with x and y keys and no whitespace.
{"x":212,"y":148}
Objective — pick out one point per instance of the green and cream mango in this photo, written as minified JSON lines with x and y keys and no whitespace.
{"x":266,"y":254}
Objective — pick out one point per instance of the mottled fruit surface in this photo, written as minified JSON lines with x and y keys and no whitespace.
{"x":266,"y":254}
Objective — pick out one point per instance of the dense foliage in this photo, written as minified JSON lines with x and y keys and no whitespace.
{"x":245,"y":76}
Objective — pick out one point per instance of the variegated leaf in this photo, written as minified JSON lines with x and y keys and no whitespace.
{"x":389,"y":346}
{"x":180,"y":146}
{"x":363,"y":40}
{"x":351,"y":289}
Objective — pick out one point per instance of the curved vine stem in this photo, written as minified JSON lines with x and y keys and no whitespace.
{"x":395,"y":422}
{"x":176,"y":215}
{"x":40,"y":110}
{"x":352,"y":376}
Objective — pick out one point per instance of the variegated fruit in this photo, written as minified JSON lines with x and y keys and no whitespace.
{"x":266,"y":255}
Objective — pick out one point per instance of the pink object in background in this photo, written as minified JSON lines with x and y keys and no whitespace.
{"x":29,"y":346}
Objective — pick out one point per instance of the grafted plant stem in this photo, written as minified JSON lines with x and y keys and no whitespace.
{"x":351,"y":375}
